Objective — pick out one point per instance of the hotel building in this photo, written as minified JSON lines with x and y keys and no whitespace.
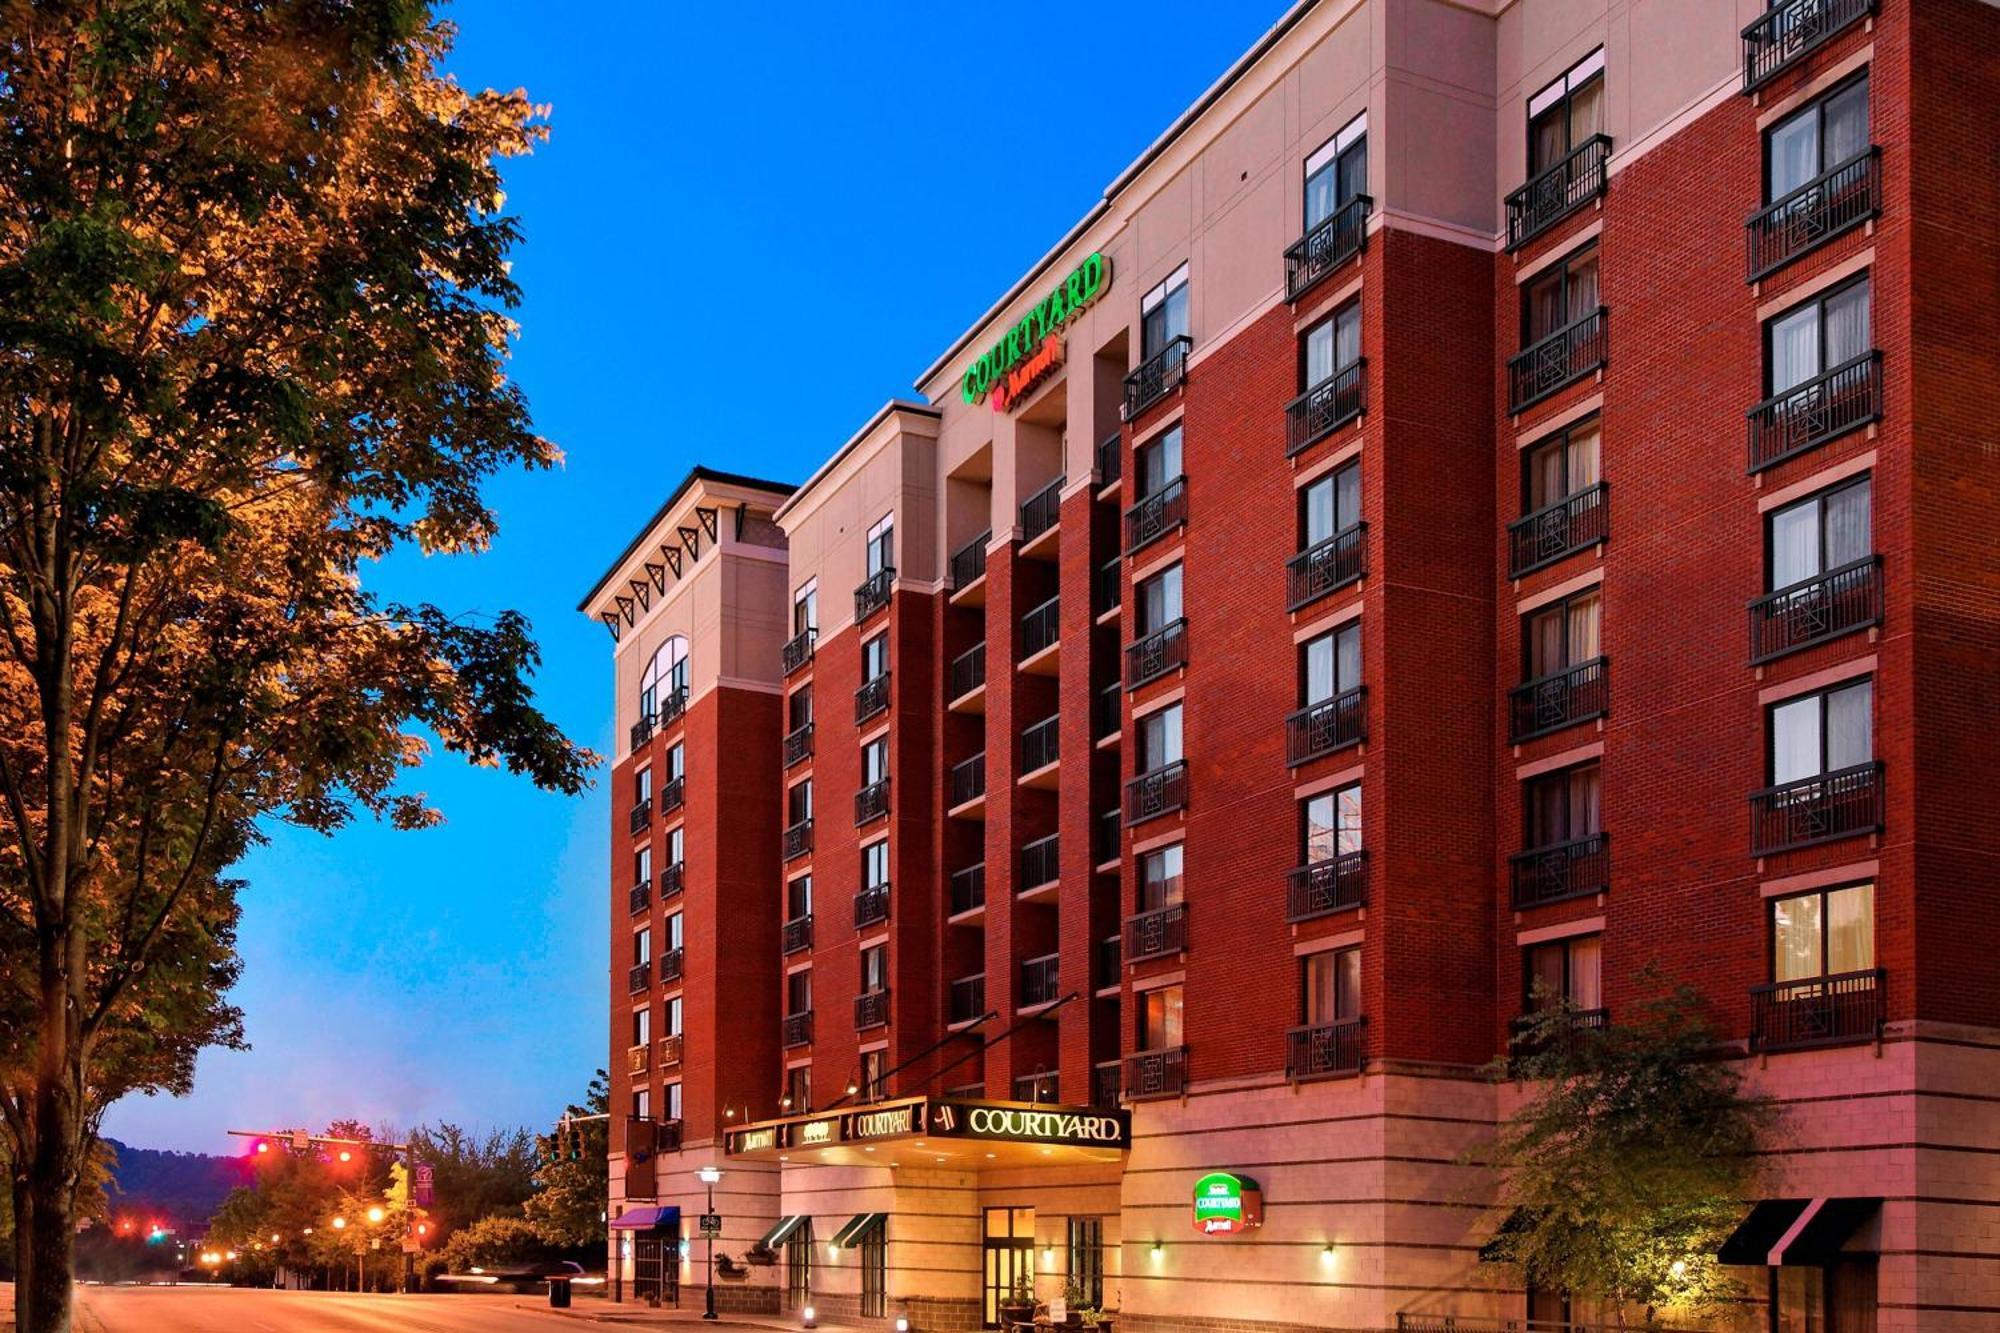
{"x":1500,"y":492}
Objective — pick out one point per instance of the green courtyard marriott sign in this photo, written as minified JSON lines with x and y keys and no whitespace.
{"x":1225,"y":1204}
{"x":1033,"y":348}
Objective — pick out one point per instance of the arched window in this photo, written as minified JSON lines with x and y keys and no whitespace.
{"x":665,"y":675}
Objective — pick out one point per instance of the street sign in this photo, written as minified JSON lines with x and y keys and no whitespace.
{"x":422,"y":1179}
{"x":711,"y":1224}
{"x":301,"y":1140}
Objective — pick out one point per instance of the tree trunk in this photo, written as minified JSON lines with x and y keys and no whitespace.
{"x":51,"y":1226}
{"x":24,"y":1252}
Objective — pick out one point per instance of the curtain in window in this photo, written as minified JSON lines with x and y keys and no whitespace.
{"x":1794,"y":545}
{"x":1546,"y":141}
{"x":1160,"y":738}
{"x":1547,"y":476}
{"x":1319,"y":355}
{"x":1582,"y":289}
{"x":1545,"y":308}
{"x":1582,"y":459}
{"x":1586,"y":956}
{"x":1347,"y":984}
{"x":1319,"y":506}
{"x":1794,"y":349}
{"x":1321,"y":191}
{"x":1545,"y":976}
{"x":1545,"y":643}
{"x":1849,"y":730}
{"x":1160,"y":879}
{"x":1795,"y":938}
{"x":1353,"y":172}
{"x":1585,"y":786}
{"x":1586,"y":112}
{"x":1795,"y":750}
{"x":1347,"y":336}
{"x":1347,"y":505}
{"x":1319,"y":670}
{"x":1848,"y":534}
{"x":1850,"y":929}
{"x":1583,"y":643}
{"x":1847,"y":325}
{"x":1322,"y":1001}
{"x":1348,"y":655}
{"x":1793,"y":150}
{"x":1846,"y":125}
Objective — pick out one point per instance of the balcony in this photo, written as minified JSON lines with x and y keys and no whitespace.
{"x":641,"y":816}
{"x":1560,"y":871}
{"x":1559,"y":191}
{"x":1332,"y":562}
{"x":1110,"y":459}
{"x":871,"y":906}
{"x":968,"y":1000}
{"x":1819,"y":1011}
{"x":638,"y":977}
{"x":968,"y":781}
{"x":798,"y":745}
{"x":1041,"y":511}
{"x":1556,"y":530}
{"x":674,"y":706}
{"x":671,"y":962}
{"x":1337,"y":238}
{"x":871,"y":802}
{"x":1817,"y":609}
{"x":1560,"y":699}
{"x":1336,"y":400}
{"x":1156,"y":934}
{"x":871,"y":1010}
{"x":1159,"y":792}
{"x":1533,"y":1034}
{"x":873,"y":594}
{"x":673,"y":795}
{"x":1841,"y":804}
{"x":1107,"y":587}
{"x":797,"y":1030}
{"x":1161,"y":1073}
{"x":1042,"y":1086}
{"x":1039,"y":864}
{"x":1039,"y":980}
{"x":1562,"y":358}
{"x":1788,"y":33}
{"x":1104,"y":1084}
{"x":1156,"y":515}
{"x":797,"y":934}
{"x":1041,"y":744}
{"x":670,"y":1050}
{"x":642,"y":896}
{"x":1040,"y":629}
{"x":798,"y":839}
{"x":967,"y":672}
{"x":1823,"y":408}
{"x":1109,"y":963}
{"x":798,"y":650}
{"x":1319,"y":729}
{"x":667,"y":1135}
{"x":871,"y":698}
{"x":1830,"y":204}
{"x":1110,"y":838}
{"x":642,"y":730}
{"x":1107,"y":712}
{"x":1322,"y":888}
{"x":672,"y":881}
{"x":1157,"y":376}
{"x":968,"y":889}
{"x":638,"y":1059}
{"x":1325,"y":1049}
{"x":968,"y":562}
{"x":1164,"y":650}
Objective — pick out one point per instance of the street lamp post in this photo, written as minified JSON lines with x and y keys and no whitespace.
{"x":708,"y":1176}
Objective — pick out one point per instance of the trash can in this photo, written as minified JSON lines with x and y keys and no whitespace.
{"x":559,"y":1293}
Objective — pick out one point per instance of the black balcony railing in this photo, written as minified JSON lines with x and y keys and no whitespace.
{"x":1106,"y":711}
{"x":1044,"y":1085}
{"x":1817,"y":1011}
{"x":1039,"y":980}
{"x":1814,"y":610}
{"x":641,"y":815}
{"x":1831,"y":203}
{"x":642,"y":730}
{"x":872,"y":801}
{"x":1110,"y":963}
{"x":1157,"y":376}
{"x":1331,"y":885}
{"x":1823,"y":408}
{"x":1159,"y":792}
{"x":673,"y":795}
{"x":871,"y":698}
{"x":968,"y":999}
{"x":639,"y":977}
{"x":1818,"y":809}
{"x":1157,"y":933}
{"x":1164,"y":650}
{"x":1109,"y":841}
{"x":1104,"y":1083}
{"x":871,"y":1009}
{"x":968,"y":562}
{"x":1562,"y":358}
{"x":1039,"y":863}
{"x":1107,"y":587}
{"x":1041,"y":626}
{"x":1042,"y":510}
{"x":641,"y":896}
{"x":671,"y":962}
{"x":1332,"y":562}
{"x":1317,"y":1050}
{"x":1789,"y":32}
{"x":1041,"y":744}
{"x":797,"y":1029}
{"x":798,"y":650}
{"x":1571,"y":183}
{"x":798,"y":839}
{"x":871,"y":906}
{"x":968,"y":888}
{"x":1334,"y":240}
{"x":968,"y":780}
{"x":874,"y":592}
{"x":673,"y":879}
{"x":1160,"y":1073}
{"x":1336,"y":400}
{"x":1332,"y":724}
{"x":1535,"y":1033}
{"x":1559,"y":699}
{"x":1156,"y":515}
{"x":968,"y":671}
{"x":1110,"y":458}
{"x":798,"y":745}
{"x":673,"y":705}
{"x":670,"y":1050}
{"x":1555,"y":530}
{"x":798,"y":933}
{"x":1576,"y":869}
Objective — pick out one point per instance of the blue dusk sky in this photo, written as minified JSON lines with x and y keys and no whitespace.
{"x":751,"y":225}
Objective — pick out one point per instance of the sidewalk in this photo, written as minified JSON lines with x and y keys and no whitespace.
{"x":640,"y":1316}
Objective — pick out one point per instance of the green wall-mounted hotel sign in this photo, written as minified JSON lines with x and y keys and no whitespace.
{"x":1225,"y":1204}
{"x":1032,"y":349}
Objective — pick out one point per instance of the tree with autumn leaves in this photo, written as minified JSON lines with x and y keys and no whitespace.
{"x":253,"y":337}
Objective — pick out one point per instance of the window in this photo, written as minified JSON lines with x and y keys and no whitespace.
{"x":1566,"y":113}
{"x":676,"y":763}
{"x":874,"y":969}
{"x":799,"y":802}
{"x":1160,"y":878}
{"x":1337,"y":172}
{"x":1810,"y":339}
{"x":642,"y":946}
{"x":799,"y":1089}
{"x":1555,"y":299}
{"x":1330,"y":824}
{"x":642,"y":1104}
{"x":1561,"y":971}
{"x":676,"y":844}
{"x":1822,"y":733}
{"x":799,"y":992}
{"x":882,"y":545}
{"x":1157,"y":462}
{"x":1159,"y":738}
{"x":665,"y":673}
{"x":1330,"y":504}
{"x":805,"y":607}
{"x":1163,"y":314}
{"x":1819,"y":533}
{"x":1157,"y":601}
{"x":673,"y":1100}
{"x":674,"y":933}
{"x":799,"y":897}
{"x":1330,"y":987}
{"x":1330,"y":346}
{"x":1159,"y":1018}
{"x":875,"y":865}
{"x":642,"y":1027}
{"x":875,"y":761}
{"x":1561,"y":635}
{"x":799,"y":707}
{"x":1330,"y":665}
{"x":1823,"y":934}
{"x":1563,"y":807}
{"x":1086,"y":1258}
{"x":1815,"y":139}
{"x":642,"y":865}
{"x":642,"y":786}
{"x":670,"y":1016}
{"x":873,"y":1067}
{"x":875,"y":658}
{"x":1563,"y":465}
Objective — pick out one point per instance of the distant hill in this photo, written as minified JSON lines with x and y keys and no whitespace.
{"x":182,"y":1186}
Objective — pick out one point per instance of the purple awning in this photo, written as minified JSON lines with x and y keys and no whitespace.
{"x":646,"y":1219}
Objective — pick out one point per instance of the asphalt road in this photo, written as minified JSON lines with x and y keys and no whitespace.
{"x":246,"y":1310}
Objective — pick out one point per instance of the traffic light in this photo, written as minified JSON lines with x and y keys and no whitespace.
{"x":575,"y":1144}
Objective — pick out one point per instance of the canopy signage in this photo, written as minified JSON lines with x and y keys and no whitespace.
{"x":1225,"y":1204}
{"x":1031,"y":351}
{"x":884,"y":1123}
{"x":1022,"y":1124}
{"x":944,"y":1118}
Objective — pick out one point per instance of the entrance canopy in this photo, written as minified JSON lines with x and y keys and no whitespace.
{"x":778,"y":1234}
{"x":1797,"y":1231}
{"x":648,"y":1218}
{"x":857,"y":1226}
{"x":932,"y":1131}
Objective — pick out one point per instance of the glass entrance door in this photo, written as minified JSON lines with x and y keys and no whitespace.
{"x":1010,"y":1257}
{"x":798,"y":1265}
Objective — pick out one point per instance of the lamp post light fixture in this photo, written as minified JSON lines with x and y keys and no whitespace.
{"x":708,"y":1176}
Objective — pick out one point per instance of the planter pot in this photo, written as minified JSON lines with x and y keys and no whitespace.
{"x":1016,"y":1312}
